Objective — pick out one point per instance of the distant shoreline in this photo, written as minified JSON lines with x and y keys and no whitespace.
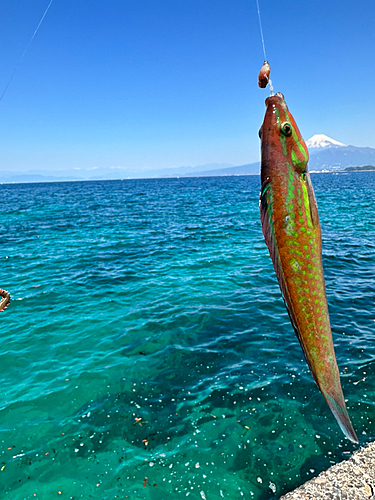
{"x":51,"y":181}
{"x":367,"y":168}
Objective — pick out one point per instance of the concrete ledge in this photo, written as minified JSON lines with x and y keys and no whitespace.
{"x":353,"y":479}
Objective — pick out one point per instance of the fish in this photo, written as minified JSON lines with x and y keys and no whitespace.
{"x":264,"y":74}
{"x":291,"y":229}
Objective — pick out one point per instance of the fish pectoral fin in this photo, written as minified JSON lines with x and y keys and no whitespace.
{"x":312,"y":202}
{"x":266,"y":212}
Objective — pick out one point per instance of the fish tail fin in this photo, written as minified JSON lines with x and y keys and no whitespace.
{"x":337,"y":405}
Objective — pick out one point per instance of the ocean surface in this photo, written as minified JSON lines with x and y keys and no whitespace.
{"x":147,"y":353}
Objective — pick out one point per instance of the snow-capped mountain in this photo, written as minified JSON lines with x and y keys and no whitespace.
{"x":322,"y":141}
{"x":329,"y":155}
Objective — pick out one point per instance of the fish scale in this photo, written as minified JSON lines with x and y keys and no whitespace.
{"x":291,"y":228}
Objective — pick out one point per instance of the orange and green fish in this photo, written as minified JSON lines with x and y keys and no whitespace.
{"x":291,"y":228}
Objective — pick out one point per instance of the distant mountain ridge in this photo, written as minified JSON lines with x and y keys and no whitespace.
{"x":248,"y":169}
{"x":326,"y":155}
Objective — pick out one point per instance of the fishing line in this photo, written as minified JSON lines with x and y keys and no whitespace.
{"x":261,"y":32}
{"x":264,"y":47}
{"x":24,"y":52}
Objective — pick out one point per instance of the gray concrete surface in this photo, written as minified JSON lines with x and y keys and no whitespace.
{"x":353,"y":479}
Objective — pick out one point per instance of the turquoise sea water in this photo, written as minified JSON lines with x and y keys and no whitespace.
{"x":147,"y":353}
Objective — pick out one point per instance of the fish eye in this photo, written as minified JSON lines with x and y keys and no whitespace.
{"x":260,"y":133}
{"x":286,"y":129}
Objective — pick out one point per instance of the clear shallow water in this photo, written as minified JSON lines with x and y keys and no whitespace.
{"x":147,"y":353}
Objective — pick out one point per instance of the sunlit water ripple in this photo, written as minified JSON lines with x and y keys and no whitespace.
{"x":147,"y":353}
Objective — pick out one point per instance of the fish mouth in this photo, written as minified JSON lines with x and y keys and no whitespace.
{"x":278,"y":98}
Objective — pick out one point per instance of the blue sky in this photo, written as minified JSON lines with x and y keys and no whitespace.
{"x":147,"y":84}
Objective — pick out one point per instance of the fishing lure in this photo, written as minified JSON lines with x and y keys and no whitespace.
{"x":291,"y":228}
{"x":264,"y":74}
